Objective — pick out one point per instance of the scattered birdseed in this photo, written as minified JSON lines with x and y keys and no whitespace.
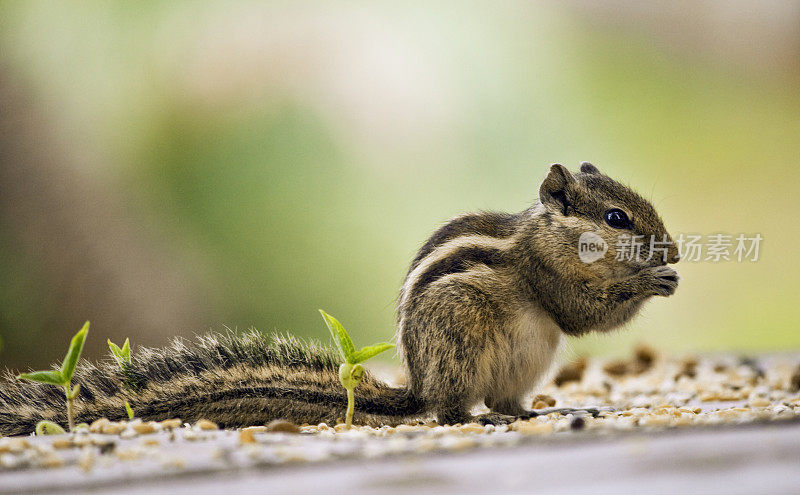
{"x":112,"y":428}
{"x":618,"y":367}
{"x":62,"y":443}
{"x":247,"y":435}
{"x":207,"y":425}
{"x":457,"y":444}
{"x":97,"y":425}
{"x":406,"y":428}
{"x":18,"y":445}
{"x":144,"y":428}
{"x":86,"y":459}
{"x":169,"y":424}
{"x":128,"y":454}
{"x":174,"y":462}
{"x":794,"y":381}
{"x":547,"y":400}
{"x":688,"y":368}
{"x":759,"y":402}
{"x":472,"y":428}
{"x":644,"y":358}
{"x":191,"y":435}
{"x":51,"y":461}
{"x":283,"y":426}
{"x":531,"y":428}
{"x":654,"y":393}
{"x":9,"y":461}
{"x":82,"y":440}
{"x":571,"y":372}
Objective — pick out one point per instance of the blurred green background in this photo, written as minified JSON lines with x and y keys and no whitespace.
{"x":172,"y":168}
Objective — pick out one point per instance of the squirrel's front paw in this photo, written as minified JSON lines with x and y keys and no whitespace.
{"x":660,"y":280}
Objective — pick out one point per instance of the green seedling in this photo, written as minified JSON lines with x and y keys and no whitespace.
{"x":48,"y":428}
{"x":63,"y":377}
{"x":351,"y":372}
{"x":123,"y":358}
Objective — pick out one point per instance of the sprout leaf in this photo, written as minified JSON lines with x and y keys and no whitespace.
{"x":74,"y":353}
{"x":52,"y":377}
{"x":369,"y":351}
{"x":340,"y":336}
{"x":121,"y":356}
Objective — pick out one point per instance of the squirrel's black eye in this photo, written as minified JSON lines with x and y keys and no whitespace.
{"x":617,"y":219}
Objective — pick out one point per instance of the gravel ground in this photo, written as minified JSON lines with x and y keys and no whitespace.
{"x":708,"y":416}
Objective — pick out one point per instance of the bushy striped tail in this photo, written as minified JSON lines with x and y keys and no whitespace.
{"x":24,"y":403}
{"x":230,"y":379}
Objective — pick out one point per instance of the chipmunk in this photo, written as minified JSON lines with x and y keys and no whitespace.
{"x":484,"y":306}
{"x":490,"y":295}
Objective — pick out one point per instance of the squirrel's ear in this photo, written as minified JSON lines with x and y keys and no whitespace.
{"x":588,"y":168}
{"x":553,"y":191}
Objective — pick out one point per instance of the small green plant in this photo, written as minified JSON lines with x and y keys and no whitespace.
{"x":48,"y":428}
{"x":62,"y":377}
{"x":351,"y":372}
{"x":122,"y":355}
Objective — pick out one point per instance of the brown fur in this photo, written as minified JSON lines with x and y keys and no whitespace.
{"x":487,"y":298}
{"x":481,"y":315}
{"x":234,"y":380}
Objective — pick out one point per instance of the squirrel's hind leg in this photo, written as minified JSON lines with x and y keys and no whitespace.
{"x":453,"y":414}
{"x":457,"y":412}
